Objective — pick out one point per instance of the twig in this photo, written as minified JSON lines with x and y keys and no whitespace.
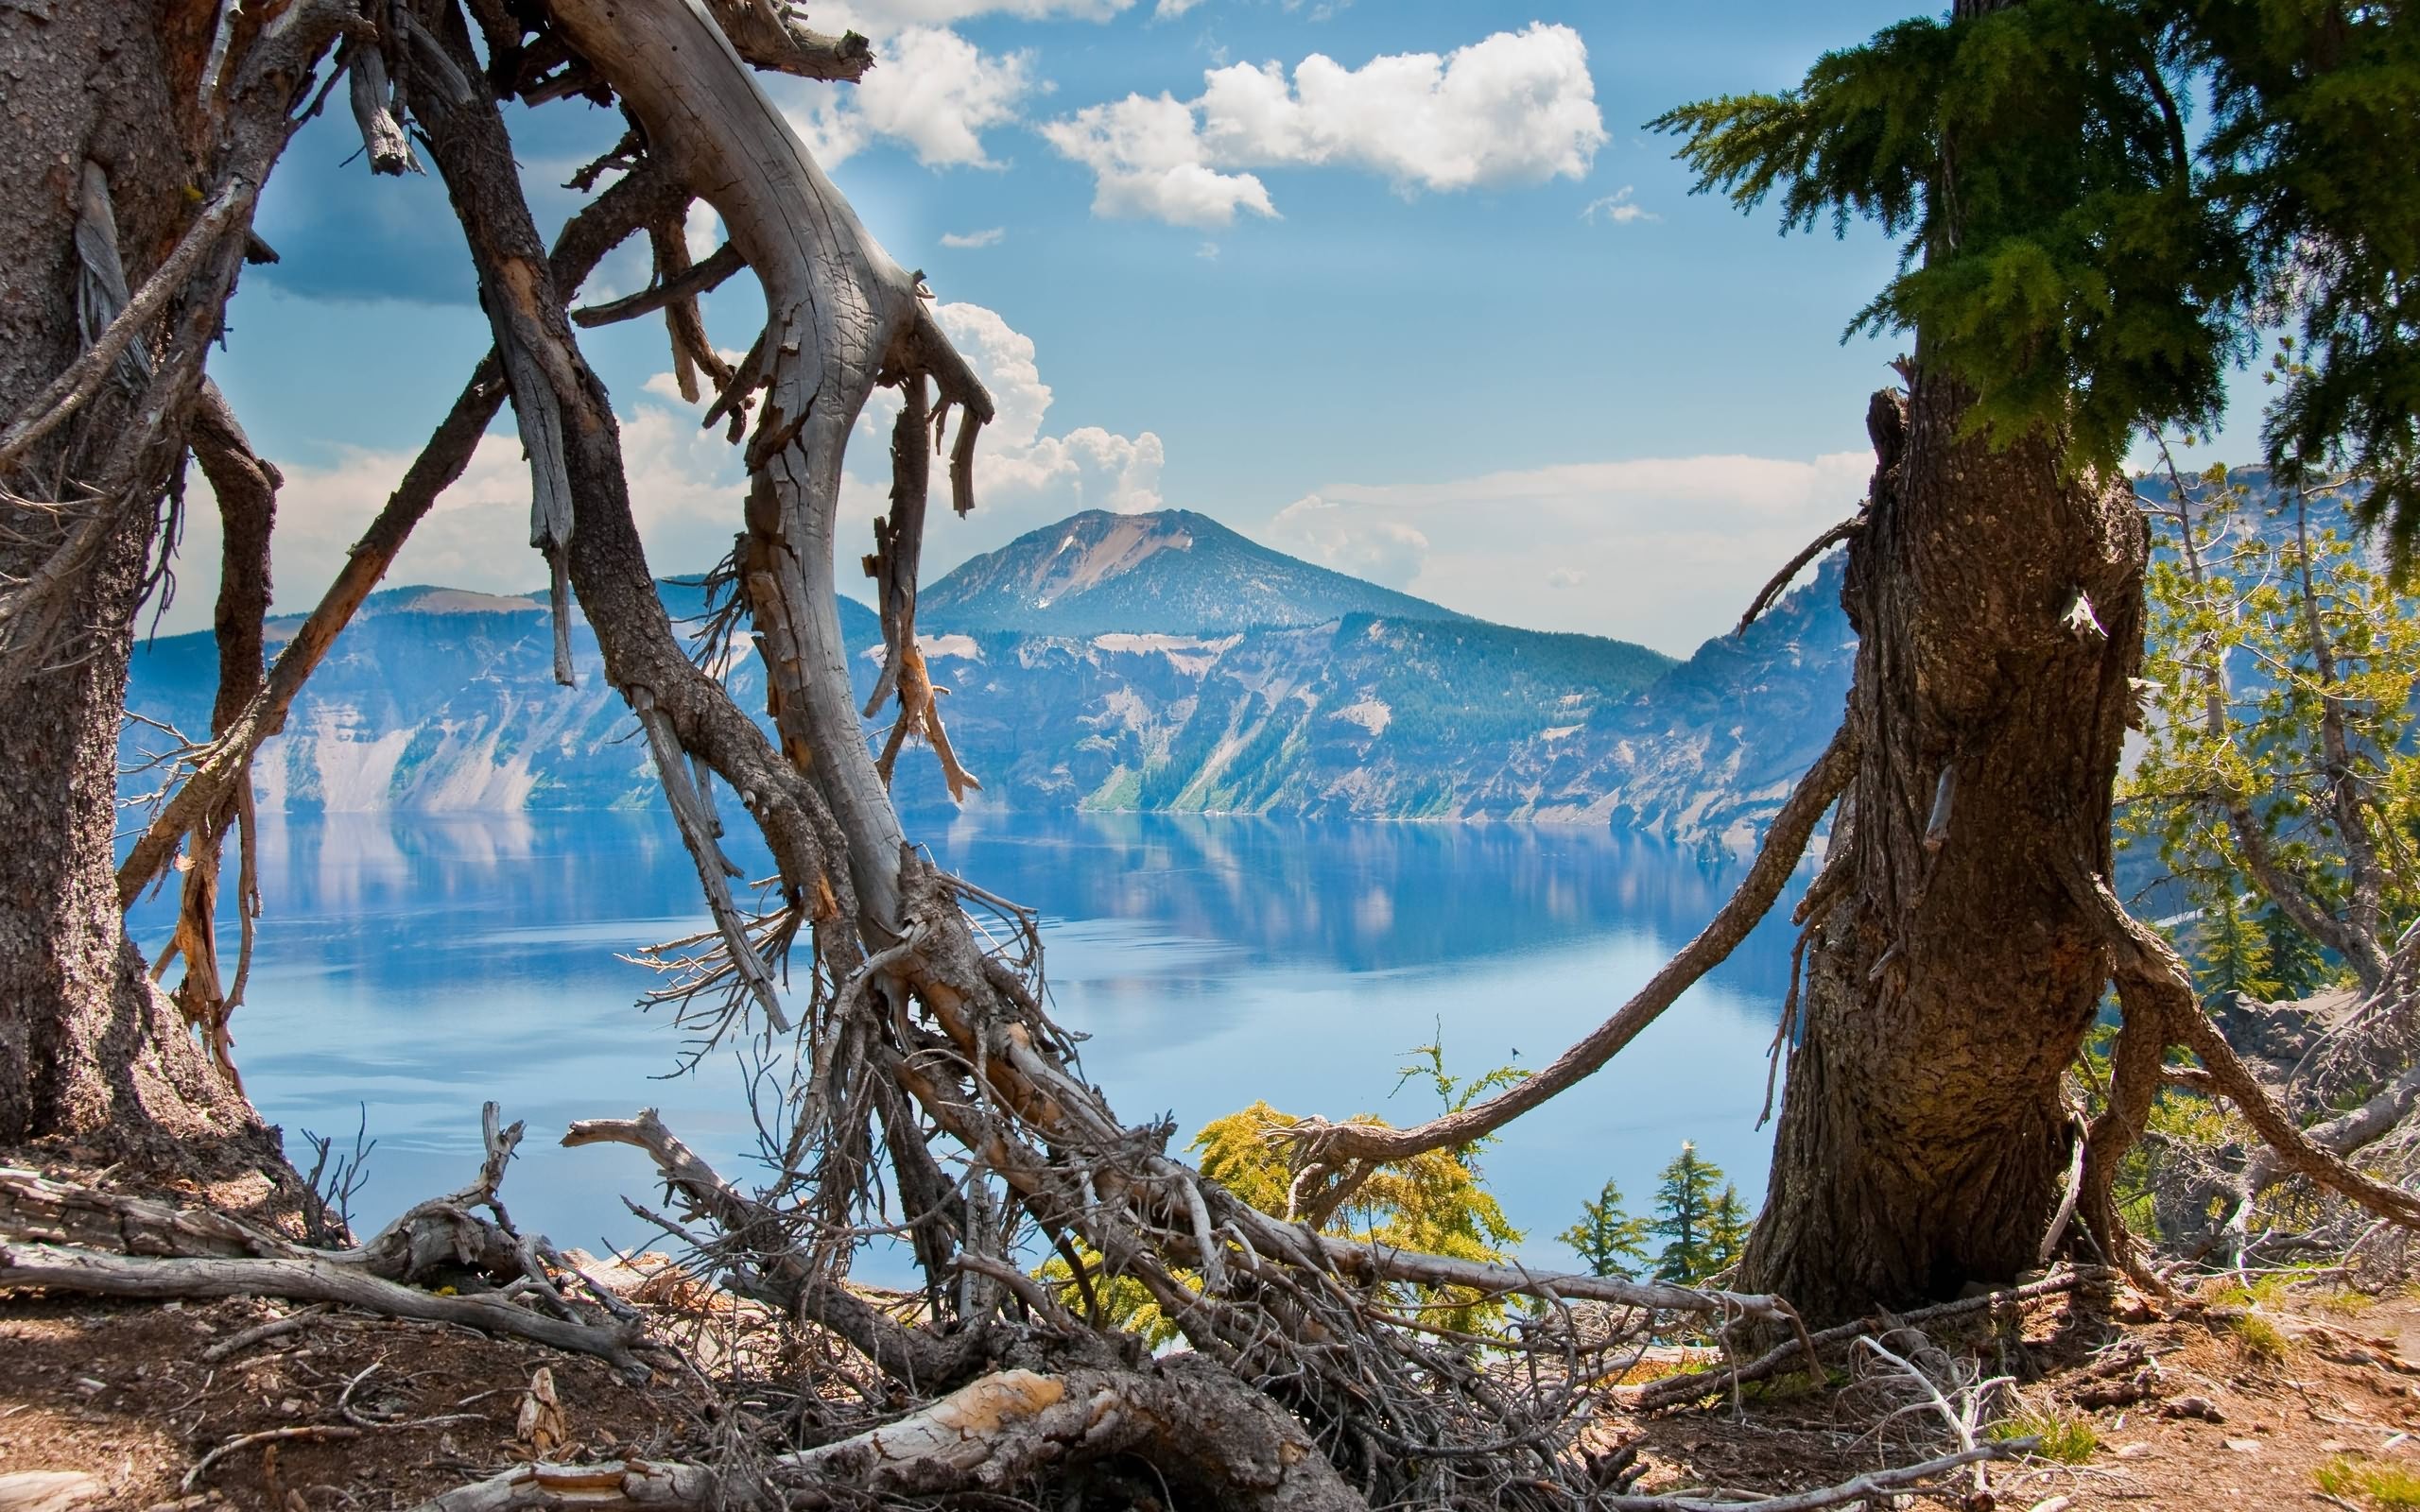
{"x":1815,"y":548}
{"x":1333,"y":1143}
{"x":266,"y":1435}
{"x":703,"y":277}
{"x":274,"y":1329}
{"x":1861,"y":1487}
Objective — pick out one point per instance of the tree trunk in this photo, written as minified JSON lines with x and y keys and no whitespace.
{"x":1998,"y":604}
{"x":87,"y":1047}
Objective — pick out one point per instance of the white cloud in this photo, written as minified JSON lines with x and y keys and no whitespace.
{"x":702,"y":232}
{"x":1662,"y":550}
{"x":930,"y":90}
{"x":1171,"y":9}
{"x":988,"y":236}
{"x":1513,"y":108}
{"x":1618,"y":209}
{"x":1350,"y":541}
{"x":1148,"y":160}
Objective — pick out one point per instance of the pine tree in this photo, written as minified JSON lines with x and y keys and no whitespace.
{"x":2234,"y":950}
{"x":1726,"y":1230}
{"x":1606,"y":1237}
{"x":2296,"y":964}
{"x":1685,"y":1204}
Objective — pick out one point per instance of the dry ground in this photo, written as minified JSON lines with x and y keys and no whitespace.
{"x":2292,"y":1398}
{"x":2190,"y":1406}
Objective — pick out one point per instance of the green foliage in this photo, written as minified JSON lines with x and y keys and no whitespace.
{"x":1726,"y":1230}
{"x":1686,"y":1204}
{"x":1608,"y":1241}
{"x":2232,"y":948}
{"x":2372,"y":1481}
{"x":2076,"y":260}
{"x":1435,"y":1202}
{"x":2296,"y":962}
{"x":2250,"y":651}
{"x":2260,"y":1339}
{"x":2068,"y":1437}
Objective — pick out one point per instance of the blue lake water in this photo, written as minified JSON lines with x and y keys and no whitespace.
{"x":411,"y":966}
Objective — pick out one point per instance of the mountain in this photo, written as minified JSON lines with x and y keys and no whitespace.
{"x":1171,"y":572}
{"x":441,"y":700}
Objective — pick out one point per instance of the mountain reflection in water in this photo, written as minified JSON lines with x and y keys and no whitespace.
{"x":416,"y":965}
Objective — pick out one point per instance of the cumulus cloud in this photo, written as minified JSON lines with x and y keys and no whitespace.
{"x":1149,"y":162}
{"x":1516,"y":107}
{"x":1024,"y":475}
{"x":988,"y":236}
{"x":702,"y":231}
{"x":1662,"y":550}
{"x":1618,"y":209}
{"x":931,"y":91}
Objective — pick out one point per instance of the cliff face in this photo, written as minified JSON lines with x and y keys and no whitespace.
{"x":441,"y":700}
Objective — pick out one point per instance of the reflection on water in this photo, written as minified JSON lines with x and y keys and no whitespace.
{"x":414,"y":966}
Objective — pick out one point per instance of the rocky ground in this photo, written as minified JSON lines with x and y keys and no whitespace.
{"x":2282,"y":1395}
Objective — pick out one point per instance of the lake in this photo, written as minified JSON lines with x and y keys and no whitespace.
{"x":411,"y":966}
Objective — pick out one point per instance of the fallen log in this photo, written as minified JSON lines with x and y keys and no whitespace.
{"x":66,"y":1267}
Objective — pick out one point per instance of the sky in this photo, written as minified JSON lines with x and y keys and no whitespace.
{"x":1401,"y":286}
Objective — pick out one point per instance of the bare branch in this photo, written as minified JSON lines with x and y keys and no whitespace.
{"x":1333,"y":1143}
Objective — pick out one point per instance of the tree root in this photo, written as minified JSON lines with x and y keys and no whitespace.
{"x":1227,"y":1445}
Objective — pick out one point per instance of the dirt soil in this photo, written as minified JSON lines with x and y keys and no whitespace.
{"x":2205,"y":1403}
{"x":2285,"y":1398}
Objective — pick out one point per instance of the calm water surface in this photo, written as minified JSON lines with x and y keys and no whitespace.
{"x":411,"y":966}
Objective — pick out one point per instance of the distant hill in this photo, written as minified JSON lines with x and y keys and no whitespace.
{"x":1171,"y":572}
{"x":1383,"y":706}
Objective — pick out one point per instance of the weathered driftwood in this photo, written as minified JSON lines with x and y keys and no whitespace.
{"x":604,"y":559}
{"x":1207,"y":1435}
{"x":49,"y":1232}
{"x":64,"y":1267}
{"x":839,"y":314}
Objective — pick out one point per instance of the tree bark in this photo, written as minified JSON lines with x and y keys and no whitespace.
{"x":87,"y":1047}
{"x":1998,"y":599}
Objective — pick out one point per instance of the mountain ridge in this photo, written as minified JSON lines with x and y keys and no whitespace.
{"x":1159,"y":572}
{"x":437,"y":699}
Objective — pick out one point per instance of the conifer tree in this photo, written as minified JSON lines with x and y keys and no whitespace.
{"x":2234,"y":950}
{"x":1684,"y":1206}
{"x":1726,"y":1230}
{"x":1609,"y":1241}
{"x":2077,"y":264}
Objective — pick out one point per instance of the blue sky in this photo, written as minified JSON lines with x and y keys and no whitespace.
{"x":1400,"y":286}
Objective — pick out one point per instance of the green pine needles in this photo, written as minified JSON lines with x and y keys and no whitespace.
{"x":2085,"y":257}
{"x":1698,"y":1214}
